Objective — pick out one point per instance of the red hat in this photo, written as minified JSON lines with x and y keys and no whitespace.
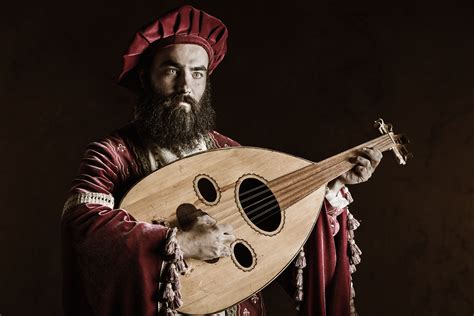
{"x":185,"y":25}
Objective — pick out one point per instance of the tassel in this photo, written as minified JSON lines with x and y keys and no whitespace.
{"x":299,"y":295}
{"x":354,"y":248}
{"x":352,"y":268}
{"x":299,"y":278}
{"x":177,"y":295}
{"x":300,"y":263}
{"x":181,"y":267}
{"x":177,"y":302}
{"x":168,"y":294}
{"x":178,"y":254}
{"x":171,"y":242}
{"x":355,"y":259}
{"x":350,"y":234}
{"x":172,"y":275}
{"x":301,"y":260}
{"x":176,"y":288}
{"x":170,"y":247}
{"x":352,"y":223}
{"x":171,"y":297}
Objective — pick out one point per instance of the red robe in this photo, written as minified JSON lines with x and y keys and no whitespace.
{"x":111,"y":262}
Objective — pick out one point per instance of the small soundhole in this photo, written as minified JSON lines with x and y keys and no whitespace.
{"x":259,"y":204}
{"x":206,"y":189}
{"x":243,"y":255}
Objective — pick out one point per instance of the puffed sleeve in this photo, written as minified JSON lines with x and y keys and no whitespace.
{"x":111,"y":262}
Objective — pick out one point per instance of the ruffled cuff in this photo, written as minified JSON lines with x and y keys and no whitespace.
{"x":336,"y":203}
{"x":339,"y":198}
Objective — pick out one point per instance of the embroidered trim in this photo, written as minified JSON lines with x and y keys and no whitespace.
{"x":89,"y":197}
{"x":231,"y":311}
{"x":211,"y":142}
{"x":159,"y":157}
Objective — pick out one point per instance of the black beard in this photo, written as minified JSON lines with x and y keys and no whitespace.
{"x":164,"y":122}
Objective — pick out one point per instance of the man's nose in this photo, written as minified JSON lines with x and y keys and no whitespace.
{"x":183,"y":84}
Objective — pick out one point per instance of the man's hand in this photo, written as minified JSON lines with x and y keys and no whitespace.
{"x":366,"y":163}
{"x":206,"y":239}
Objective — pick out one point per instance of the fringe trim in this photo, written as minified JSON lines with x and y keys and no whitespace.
{"x":355,"y":251}
{"x":352,"y":223}
{"x":353,"y":311}
{"x":300,"y":264}
{"x":89,"y":197}
{"x":171,"y":297}
{"x":354,"y":258}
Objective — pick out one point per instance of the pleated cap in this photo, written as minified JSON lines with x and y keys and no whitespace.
{"x":185,"y":25}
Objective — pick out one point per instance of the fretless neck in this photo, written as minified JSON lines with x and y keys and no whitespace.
{"x":294,"y":186}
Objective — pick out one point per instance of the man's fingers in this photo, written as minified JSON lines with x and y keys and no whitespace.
{"x":365,"y":165}
{"x":362,"y":173}
{"x":227,"y":239}
{"x":374,"y":155}
{"x":207,"y":220}
{"x":225,"y":251}
{"x":226,"y":228}
{"x":363,"y":162}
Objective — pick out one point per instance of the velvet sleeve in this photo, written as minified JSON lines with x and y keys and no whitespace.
{"x":326,"y":284}
{"x":111,"y":262}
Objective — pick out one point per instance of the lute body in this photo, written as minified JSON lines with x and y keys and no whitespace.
{"x":272,"y":200}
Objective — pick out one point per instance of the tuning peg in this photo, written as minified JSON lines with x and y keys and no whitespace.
{"x":403,"y":150}
{"x":398,"y":141}
{"x":404,"y":139}
{"x":383,"y":127}
{"x":379,"y":123}
{"x":402,"y":154}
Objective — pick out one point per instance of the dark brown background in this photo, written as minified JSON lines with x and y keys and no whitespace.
{"x":303,"y":77}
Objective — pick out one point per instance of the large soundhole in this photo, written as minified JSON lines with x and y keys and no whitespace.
{"x":259,"y":204}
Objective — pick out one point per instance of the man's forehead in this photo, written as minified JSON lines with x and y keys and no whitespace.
{"x":182,"y":54}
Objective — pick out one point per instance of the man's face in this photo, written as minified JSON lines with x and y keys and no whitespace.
{"x":180,"y":69}
{"x":175,"y":108}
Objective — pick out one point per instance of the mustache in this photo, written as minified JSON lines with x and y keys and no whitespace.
{"x":177,"y":98}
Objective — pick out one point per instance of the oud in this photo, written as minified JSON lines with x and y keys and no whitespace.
{"x":271,"y":199}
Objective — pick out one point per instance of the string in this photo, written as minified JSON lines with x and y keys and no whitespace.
{"x":383,"y":143}
{"x":252,"y":219}
{"x":341,"y":166}
{"x":338,"y":166}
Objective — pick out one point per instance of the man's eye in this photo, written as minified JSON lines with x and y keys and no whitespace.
{"x":171,"y":71}
{"x":198,"y":75}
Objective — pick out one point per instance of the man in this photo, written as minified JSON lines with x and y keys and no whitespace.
{"x":113,"y":264}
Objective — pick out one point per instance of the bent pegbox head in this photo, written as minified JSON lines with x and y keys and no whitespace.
{"x":399,"y":141}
